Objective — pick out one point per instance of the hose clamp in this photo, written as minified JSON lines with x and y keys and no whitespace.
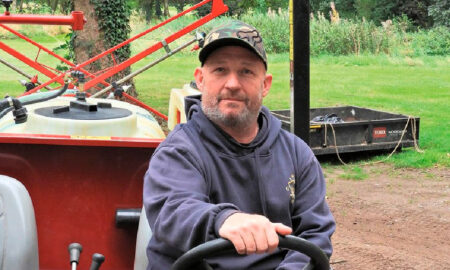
{"x":10,"y":101}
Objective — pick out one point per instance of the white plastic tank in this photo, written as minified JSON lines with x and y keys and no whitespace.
{"x":98,"y":117}
{"x":176,"y":104}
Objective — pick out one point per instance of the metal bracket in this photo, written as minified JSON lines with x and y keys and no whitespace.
{"x":166,"y":47}
{"x":200,"y":37}
{"x":10,"y":101}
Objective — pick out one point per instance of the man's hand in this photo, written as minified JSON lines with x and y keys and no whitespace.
{"x":252,"y":233}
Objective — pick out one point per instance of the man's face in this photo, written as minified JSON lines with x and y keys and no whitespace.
{"x":233,"y":82}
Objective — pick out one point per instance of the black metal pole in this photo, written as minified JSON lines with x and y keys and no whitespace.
{"x":300,"y":68}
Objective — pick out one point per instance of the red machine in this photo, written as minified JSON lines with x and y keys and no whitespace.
{"x":93,"y":80}
{"x":85,"y":189}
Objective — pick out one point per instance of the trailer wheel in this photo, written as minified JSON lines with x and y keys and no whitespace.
{"x":319,"y":260}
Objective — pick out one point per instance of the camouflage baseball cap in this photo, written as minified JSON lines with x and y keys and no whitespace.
{"x":234,"y":33}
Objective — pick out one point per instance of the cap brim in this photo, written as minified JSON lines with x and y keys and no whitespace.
{"x":210,"y":47}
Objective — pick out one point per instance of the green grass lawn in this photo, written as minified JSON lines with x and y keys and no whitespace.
{"x":418,"y":87}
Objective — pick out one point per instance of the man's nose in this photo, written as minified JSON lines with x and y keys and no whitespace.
{"x":233,"y":82}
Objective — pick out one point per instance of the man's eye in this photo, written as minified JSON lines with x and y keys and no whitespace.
{"x":219,"y":69}
{"x":247,"y":71}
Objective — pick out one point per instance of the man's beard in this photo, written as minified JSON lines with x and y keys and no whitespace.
{"x":242,"y":119}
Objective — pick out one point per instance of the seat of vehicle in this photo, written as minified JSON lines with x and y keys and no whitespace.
{"x":18,"y":234}
{"x":143,"y":237}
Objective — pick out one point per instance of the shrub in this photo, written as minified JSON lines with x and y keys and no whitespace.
{"x":356,"y":36}
{"x":348,"y":37}
{"x":274,"y":28}
{"x":435,"y":41}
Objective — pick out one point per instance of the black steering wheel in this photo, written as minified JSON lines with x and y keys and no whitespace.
{"x":319,"y":260}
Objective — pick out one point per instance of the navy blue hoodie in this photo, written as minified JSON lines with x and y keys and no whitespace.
{"x":200,"y":175}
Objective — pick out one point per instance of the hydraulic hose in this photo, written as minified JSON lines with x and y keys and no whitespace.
{"x":14,"y":103}
{"x":5,"y":111}
{"x":56,"y":94}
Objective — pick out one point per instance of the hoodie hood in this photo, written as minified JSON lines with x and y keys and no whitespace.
{"x":267,"y":134}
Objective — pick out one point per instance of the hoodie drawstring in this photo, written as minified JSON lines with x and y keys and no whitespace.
{"x":262,"y":192}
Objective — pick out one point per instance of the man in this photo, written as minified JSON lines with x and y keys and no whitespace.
{"x":231,"y":171}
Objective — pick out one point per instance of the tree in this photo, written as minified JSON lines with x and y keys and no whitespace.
{"x":62,"y":6}
{"x":234,"y":7}
{"x":166,"y":8}
{"x":153,"y":7}
{"x":108,"y":25}
{"x":416,"y":10}
{"x":179,"y":4}
{"x":260,"y":6}
{"x":439,"y":11}
{"x":53,"y":4}
{"x":276,"y":4}
{"x":346,"y":8}
{"x":89,"y":42}
{"x":381,"y":10}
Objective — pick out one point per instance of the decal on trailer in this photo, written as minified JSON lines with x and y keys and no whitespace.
{"x":396,"y":132}
{"x":379,"y":132}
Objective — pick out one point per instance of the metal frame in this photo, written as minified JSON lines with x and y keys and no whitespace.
{"x":300,"y":68}
{"x":76,"y":19}
{"x":218,"y":8}
{"x":49,"y":139}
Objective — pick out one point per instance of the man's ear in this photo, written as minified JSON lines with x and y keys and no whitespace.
{"x":198,"y":74}
{"x":267,"y":84}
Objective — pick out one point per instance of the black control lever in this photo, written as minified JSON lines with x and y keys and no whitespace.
{"x":97,"y":260}
{"x":74,"y":252}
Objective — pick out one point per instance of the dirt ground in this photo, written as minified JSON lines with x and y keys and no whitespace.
{"x":393,"y":219}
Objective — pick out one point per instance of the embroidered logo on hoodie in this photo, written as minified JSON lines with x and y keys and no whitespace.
{"x":291,"y":188}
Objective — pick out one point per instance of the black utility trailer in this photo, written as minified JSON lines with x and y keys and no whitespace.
{"x":362,"y":129}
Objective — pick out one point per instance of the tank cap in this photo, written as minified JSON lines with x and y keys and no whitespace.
{"x":83,"y":105}
{"x":104,"y":105}
{"x":81,"y":96}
